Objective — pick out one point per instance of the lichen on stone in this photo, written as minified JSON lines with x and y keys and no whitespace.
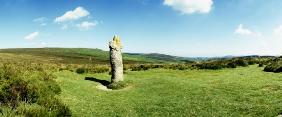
{"x":117,"y":42}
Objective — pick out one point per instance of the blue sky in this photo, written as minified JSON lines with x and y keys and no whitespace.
{"x":176,"y":27}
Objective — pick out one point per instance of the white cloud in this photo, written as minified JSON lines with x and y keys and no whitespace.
{"x":77,"y":13}
{"x":40,"y":19}
{"x":278,"y":31}
{"x":190,"y":6}
{"x":86,"y":25}
{"x":241,"y":30}
{"x":43,"y":24}
{"x":32,"y":36}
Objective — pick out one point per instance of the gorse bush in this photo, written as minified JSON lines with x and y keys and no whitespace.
{"x":15,"y":91}
{"x":229,"y":63}
{"x":93,"y":69}
{"x":80,"y":70}
{"x":144,"y":67}
{"x":210,"y":65}
{"x":242,"y":63}
{"x":274,"y":66}
{"x":140,"y":67}
{"x":86,"y":68}
{"x":98,"y":69}
{"x":213,"y":65}
{"x":29,"y":91}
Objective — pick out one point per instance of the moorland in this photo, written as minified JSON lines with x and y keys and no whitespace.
{"x":68,"y":81}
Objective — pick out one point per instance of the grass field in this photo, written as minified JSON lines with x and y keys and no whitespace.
{"x":85,"y":56}
{"x":168,"y":90}
{"x":236,"y":92}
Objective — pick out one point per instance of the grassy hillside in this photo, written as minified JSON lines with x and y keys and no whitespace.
{"x":165,"y":57}
{"x":236,"y":92}
{"x":68,"y":81}
{"x":85,"y":55}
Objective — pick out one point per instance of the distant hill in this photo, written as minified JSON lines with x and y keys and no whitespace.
{"x":87,"y":55}
{"x":164,"y":57}
{"x":98,"y":56}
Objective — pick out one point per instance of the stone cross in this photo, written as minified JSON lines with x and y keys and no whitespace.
{"x":116,"y":59}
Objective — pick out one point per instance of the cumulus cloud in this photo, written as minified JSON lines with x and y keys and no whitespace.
{"x":190,"y":6}
{"x":241,"y":30}
{"x":86,"y":25}
{"x":278,"y":31}
{"x":41,"y":21}
{"x":32,"y":36}
{"x":75,"y":14}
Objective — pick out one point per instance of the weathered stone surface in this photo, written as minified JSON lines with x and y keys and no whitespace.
{"x":116,"y":59}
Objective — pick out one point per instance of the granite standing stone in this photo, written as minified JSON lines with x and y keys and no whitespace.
{"x":116,"y":59}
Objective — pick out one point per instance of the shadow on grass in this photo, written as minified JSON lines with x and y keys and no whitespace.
{"x":103,"y":82}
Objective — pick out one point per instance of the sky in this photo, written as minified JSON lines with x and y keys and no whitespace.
{"x":189,"y":28}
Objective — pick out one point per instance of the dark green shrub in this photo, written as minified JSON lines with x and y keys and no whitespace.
{"x":16,"y":90}
{"x":274,"y":66}
{"x":57,"y":107}
{"x":241,"y":62}
{"x":251,"y":62}
{"x":139,"y":68}
{"x":278,"y":70}
{"x":261,"y":65}
{"x":80,"y":70}
{"x":231,"y":65}
{"x":211,"y":65}
{"x":181,"y":67}
{"x":270,"y":68}
{"x":98,"y":69}
{"x":29,"y":91}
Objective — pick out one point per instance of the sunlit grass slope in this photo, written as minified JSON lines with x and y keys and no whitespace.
{"x":229,"y":92}
{"x":86,"y":55}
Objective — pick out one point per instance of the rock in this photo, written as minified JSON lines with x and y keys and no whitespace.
{"x":116,"y":59}
{"x":102,"y":87}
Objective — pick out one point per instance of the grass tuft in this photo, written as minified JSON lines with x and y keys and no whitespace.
{"x":117,"y":85}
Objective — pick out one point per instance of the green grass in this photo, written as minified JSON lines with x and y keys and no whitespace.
{"x":229,"y":92}
{"x":85,"y":56}
{"x":236,"y":92}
